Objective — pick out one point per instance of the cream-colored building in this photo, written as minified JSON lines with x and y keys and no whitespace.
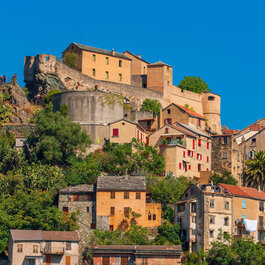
{"x":123,"y":131}
{"x":205,"y":209}
{"x":101,"y":64}
{"x":186,"y":150}
{"x":36,"y":247}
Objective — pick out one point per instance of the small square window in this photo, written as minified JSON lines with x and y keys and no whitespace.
{"x":211,"y":203}
{"x":154,"y":217}
{"x":211,"y":233}
{"x":19,"y":247}
{"x":111,"y":229}
{"x":225,"y":140}
{"x":107,"y":75}
{"x":115,"y":132}
{"x":107,"y":60}
{"x":226,"y":220}
{"x":35,"y":248}
{"x":224,"y":155}
{"x":112,"y":210}
{"x":120,"y":77}
{"x":226,"y":205}
{"x":87,"y":209}
{"x":120,"y":63}
{"x":168,"y":111}
{"x":126,"y":195}
{"x":149,"y":216}
{"x":138,"y":195}
{"x":94,"y":72}
{"x":93,"y":57}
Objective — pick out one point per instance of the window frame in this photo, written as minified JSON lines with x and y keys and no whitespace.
{"x":126,"y":195}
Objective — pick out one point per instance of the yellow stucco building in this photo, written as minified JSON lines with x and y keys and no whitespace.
{"x":119,"y":198}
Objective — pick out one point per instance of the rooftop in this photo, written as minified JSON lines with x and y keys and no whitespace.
{"x":158,"y":64}
{"x":101,"y":51}
{"x":193,"y":129}
{"x":84,"y":188}
{"x":240,"y":191}
{"x":121,"y":183}
{"x":39,"y":235}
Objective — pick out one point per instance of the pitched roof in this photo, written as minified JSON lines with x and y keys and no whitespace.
{"x":136,"y":57}
{"x":159,"y":63}
{"x":190,"y":112}
{"x":101,"y":51}
{"x":247,"y":192}
{"x":84,"y":188}
{"x":39,"y":235}
{"x":121,"y":183}
{"x":193,"y":129}
{"x":122,"y":119}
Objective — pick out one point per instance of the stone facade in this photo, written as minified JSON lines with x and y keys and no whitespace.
{"x":227,"y":156}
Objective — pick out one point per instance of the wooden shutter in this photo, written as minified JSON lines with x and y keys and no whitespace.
{"x":106,"y":261}
{"x":67,"y":260}
{"x":124,"y":260}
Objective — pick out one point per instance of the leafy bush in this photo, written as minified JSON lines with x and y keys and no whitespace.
{"x":70,"y":59}
{"x":50,"y":94}
{"x":151,"y":105}
{"x":194,"y":84}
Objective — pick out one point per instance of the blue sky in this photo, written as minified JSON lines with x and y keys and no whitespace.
{"x":223,"y":42}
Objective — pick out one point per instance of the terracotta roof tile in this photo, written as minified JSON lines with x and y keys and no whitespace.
{"x":191,"y":112}
{"x":244,"y":191}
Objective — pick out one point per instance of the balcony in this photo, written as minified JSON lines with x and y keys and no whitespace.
{"x":53,"y":250}
{"x":172,"y":142}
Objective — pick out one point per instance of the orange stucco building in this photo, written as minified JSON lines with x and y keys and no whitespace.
{"x":101,"y":64}
{"x":118,"y":197}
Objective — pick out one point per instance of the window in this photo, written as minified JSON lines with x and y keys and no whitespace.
{"x":226,"y":219}
{"x":138,"y":195}
{"x":166,"y":130}
{"x":19,"y":247}
{"x":168,"y":83}
{"x":193,"y":207}
{"x":181,"y":207}
{"x":225,"y":140}
{"x":90,"y":197}
{"x":199,"y":122}
{"x":183,"y":153}
{"x":168,"y":111}
{"x":211,"y":233}
{"x":212,"y":219}
{"x":199,"y":167}
{"x":168,"y":121}
{"x":149,"y":216}
{"x":111,"y":227}
{"x":225,"y":155}
{"x":208,"y":145}
{"x":87,"y":209}
{"x":244,"y":204}
{"x":211,"y":203}
{"x":154,"y":217}
{"x":93,"y":57}
{"x":93,"y":226}
{"x":115,"y":132}
{"x":226,"y":205}
{"x":210,"y":98}
{"x":120,"y":63}
{"x":68,"y":246}
{"x":193,"y":219}
{"x":76,"y":197}
{"x":112,"y":194}
{"x":261,"y":206}
{"x":126,"y":195}
{"x":112,"y":210}
{"x":107,"y":60}
{"x":253,"y":141}
{"x":65,"y":209}
{"x":199,"y":142}
{"x":94,"y":72}
{"x":120,"y":77}
{"x":107,"y":75}
{"x":35,"y":248}
{"x":144,"y":70}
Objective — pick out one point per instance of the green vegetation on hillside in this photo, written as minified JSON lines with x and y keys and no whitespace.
{"x":151,"y":105}
{"x":70,"y":59}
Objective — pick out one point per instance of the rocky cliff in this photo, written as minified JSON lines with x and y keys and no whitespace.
{"x":22,"y":109}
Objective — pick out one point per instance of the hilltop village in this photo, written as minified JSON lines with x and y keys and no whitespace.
{"x":133,"y":185}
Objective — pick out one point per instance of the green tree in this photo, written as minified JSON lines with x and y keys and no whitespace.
{"x":55,"y":137}
{"x":167,"y":190}
{"x":82,"y":171}
{"x":151,"y":105}
{"x":225,"y":178}
{"x":168,"y":234}
{"x":70,"y":59}
{"x":194,"y":84}
{"x":195,"y":258}
{"x":254,"y":174}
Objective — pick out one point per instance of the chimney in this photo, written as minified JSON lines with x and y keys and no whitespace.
{"x":113,"y":51}
{"x":139,"y":56}
{"x":259,"y":187}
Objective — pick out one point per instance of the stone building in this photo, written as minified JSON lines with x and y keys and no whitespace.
{"x":118,"y":197}
{"x":137,"y":255}
{"x":201,"y":212}
{"x":204,"y":209}
{"x":186,"y":150}
{"x":226,"y":155}
{"x":29,"y":247}
{"x":123,"y":131}
{"x":101,"y":64}
{"x":81,"y":199}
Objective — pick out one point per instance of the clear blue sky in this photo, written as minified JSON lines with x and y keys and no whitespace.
{"x":223,"y":42}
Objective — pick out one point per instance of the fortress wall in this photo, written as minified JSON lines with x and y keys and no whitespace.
{"x":173,"y":94}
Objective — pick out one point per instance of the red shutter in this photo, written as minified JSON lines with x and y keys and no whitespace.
{"x":137,"y":134}
{"x":193,"y":143}
{"x":166,"y":130}
{"x":189,"y":166}
{"x":165,"y":121}
{"x":170,"y":121}
{"x":141,"y":137}
{"x":115,"y":132}
{"x":207,"y":145}
{"x":207,"y":169}
{"x":183,"y":153}
{"x":207,"y":158}
{"x":191,"y":153}
{"x":179,"y":165}
{"x":188,"y":152}
{"x":197,"y":156}
{"x":199,"y":142}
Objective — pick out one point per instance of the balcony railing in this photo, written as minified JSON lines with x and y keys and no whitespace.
{"x":173,"y":142}
{"x":53,"y":250}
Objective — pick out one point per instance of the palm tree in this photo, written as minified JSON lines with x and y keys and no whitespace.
{"x":255,"y":171}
